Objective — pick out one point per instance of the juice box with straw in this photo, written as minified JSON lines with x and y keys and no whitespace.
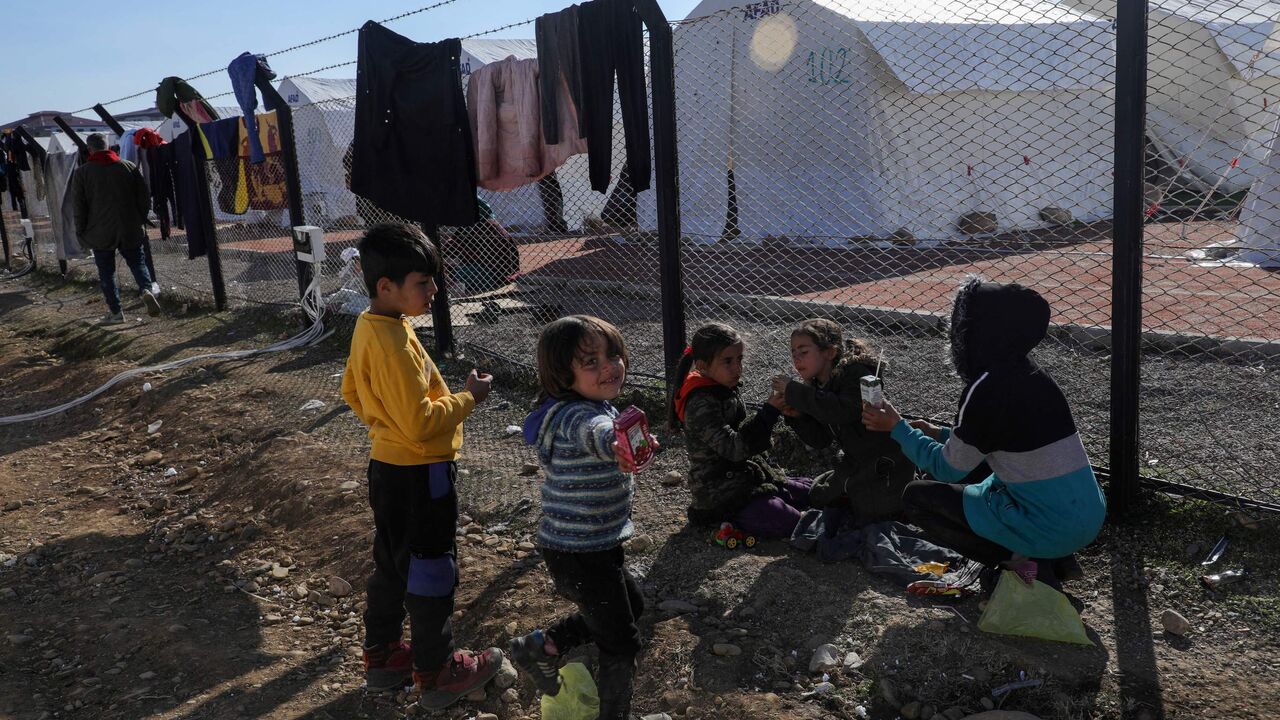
{"x":872,"y":386}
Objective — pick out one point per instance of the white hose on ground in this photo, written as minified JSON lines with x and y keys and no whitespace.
{"x":313,"y":334}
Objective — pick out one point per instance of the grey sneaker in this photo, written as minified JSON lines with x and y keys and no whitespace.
{"x":153,"y":305}
{"x":528,"y":655}
{"x":112,"y":319}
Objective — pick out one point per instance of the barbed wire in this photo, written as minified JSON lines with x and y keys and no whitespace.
{"x":465,"y":37}
{"x":498,"y":29}
{"x":317,"y":41}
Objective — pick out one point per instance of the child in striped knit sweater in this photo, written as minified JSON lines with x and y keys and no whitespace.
{"x":586,"y":510}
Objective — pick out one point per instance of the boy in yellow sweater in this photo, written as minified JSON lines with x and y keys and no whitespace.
{"x":415,"y":424}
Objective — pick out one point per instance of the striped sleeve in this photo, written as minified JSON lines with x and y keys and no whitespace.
{"x":594,"y":433}
{"x":963,"y":448}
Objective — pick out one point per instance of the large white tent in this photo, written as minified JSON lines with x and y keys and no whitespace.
{"x":323,"y":127}
{"x":852,"y":121}
{"x":1258,"y":234}
{"x":1213,"y":82}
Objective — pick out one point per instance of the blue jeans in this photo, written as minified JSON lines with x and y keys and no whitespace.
{"x":106,"y":261}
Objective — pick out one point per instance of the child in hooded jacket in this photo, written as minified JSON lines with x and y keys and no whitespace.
{"x":1041,"y":503}
{"x":729,"y":478}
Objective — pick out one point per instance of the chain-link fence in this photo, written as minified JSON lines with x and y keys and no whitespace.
{"x":1211,"y":298}
{"x":859,"y":160}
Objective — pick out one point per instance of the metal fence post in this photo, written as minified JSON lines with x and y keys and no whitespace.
{"x":667,"y":180}
{"x":441,"y":315}
{"x":211,"y":253}
{"x":292,"y":177}
{"x":4,"y":239}
{"x":119,"y":130}
{"x":1126,"y":277}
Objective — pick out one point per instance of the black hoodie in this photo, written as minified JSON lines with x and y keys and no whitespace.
{"x":1042,"y":499}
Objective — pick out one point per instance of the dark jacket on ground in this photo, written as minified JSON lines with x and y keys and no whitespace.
{"x":110,"y":203}
{"x":725,"y":465}
{"x":413,"y":153}
{"x":871,"y":468}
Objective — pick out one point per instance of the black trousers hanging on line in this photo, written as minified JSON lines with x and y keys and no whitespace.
{"x":611,"y":40}
{"x":557,"y":38}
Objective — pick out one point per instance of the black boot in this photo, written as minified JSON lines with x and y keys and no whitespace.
{"x":1068,"y":569}
{"x":1046,"y":574}
{"x":614,"y":680}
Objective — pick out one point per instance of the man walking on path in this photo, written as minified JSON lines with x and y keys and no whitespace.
{"x":111,"y":200}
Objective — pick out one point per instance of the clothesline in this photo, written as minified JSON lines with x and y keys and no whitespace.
{"x":518,"y":122}
{"x":317,"y":41}
{"x":349,"y":63}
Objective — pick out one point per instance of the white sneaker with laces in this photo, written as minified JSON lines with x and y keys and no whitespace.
{"x":153,"y":305}
{"x":112,"y":319}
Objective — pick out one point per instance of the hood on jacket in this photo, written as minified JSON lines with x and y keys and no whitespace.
{"x":536,"y":419}
{"x":104,"y":157}
{"x":995,"y":325}
{"x":693,"y":381}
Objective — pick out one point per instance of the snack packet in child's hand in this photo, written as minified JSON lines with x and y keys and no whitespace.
{"x":634,"y":441}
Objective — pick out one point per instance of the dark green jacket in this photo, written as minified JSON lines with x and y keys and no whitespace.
{"x":110,"y":203}
{"x":725,"y":471}
{"x":871,"y":468}
{"x":174,"y":91}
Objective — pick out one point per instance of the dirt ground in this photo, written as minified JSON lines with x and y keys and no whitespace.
{"x":171,"y":553}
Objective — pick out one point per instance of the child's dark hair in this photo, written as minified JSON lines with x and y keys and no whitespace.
{"x":392,"y":251}
{"x":707,"y":342}
{"x":828,"y":334}
{"x":563,"y":340}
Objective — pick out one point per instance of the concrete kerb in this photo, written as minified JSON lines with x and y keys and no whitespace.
{"x":1091,"y":338}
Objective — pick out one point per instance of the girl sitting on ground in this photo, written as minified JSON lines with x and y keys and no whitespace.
{"x":825,"y":406}
{"x":728,"y":475}
{"x":1041,"y":502}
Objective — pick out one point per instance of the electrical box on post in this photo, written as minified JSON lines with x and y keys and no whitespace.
{"x":308,"y":243}
{"x":28,"y":231}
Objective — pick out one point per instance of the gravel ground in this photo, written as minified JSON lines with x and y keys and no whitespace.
{"x":1206,"y":423}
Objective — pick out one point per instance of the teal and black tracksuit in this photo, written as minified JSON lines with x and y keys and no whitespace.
{"x":1041,"y":499}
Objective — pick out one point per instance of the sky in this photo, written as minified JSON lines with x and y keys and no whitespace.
{"x":69,"y":55}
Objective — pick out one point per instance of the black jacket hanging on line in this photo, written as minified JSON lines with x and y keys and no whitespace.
{"x":413,"y":153}
{"x":611,"y":38}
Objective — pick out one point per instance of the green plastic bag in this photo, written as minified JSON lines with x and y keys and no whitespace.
{"x":577,"y":699}
{"x":1038,"y":611}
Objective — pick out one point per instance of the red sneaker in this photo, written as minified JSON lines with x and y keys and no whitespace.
{"x":388,"y":667}
{"x":463,"y":672}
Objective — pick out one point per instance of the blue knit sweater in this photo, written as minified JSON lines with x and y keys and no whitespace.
{"x":586,"y":499}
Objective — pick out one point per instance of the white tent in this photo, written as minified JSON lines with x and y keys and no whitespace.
{"x":852,"y":121}
{"x":1257,"y":240}
{"x":1213,"y":83}
{"x":323,"y":127}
